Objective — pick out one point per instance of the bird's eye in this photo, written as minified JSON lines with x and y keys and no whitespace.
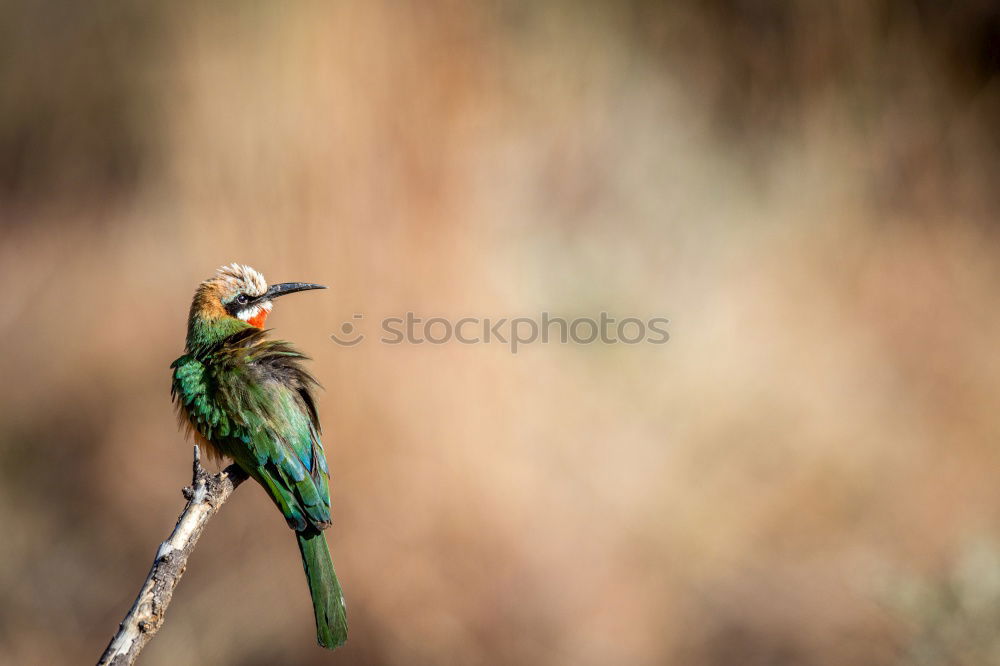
{"x":242,"y":299}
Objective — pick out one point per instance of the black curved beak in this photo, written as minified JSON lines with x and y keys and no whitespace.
{"x":284,"y":288}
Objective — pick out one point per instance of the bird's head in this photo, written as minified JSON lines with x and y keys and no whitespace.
{"x":236,"y":296}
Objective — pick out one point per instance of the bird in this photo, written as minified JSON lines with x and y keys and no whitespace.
{"x":244,"y":396}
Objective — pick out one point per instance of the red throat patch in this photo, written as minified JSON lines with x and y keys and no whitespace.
{"x":258,"y":319}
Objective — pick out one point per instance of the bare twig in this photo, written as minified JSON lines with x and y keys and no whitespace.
{"x":206,"y":495}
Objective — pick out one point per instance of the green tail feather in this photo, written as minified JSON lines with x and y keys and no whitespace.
{"x":328,"y":599}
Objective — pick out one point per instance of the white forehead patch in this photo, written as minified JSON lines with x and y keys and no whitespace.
{"x":239,"y":277}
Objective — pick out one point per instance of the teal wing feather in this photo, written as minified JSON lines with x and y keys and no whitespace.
{"x":251,"y":398}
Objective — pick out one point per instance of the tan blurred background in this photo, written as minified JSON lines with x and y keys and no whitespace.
{"x":807,"y":473}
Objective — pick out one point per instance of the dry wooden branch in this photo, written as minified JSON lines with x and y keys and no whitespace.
{"x":206,"y":495}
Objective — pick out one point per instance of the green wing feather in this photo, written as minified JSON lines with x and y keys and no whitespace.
{"x":251,"y":398}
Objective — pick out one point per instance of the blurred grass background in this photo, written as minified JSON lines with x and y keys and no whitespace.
{"x":805,"y":474}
